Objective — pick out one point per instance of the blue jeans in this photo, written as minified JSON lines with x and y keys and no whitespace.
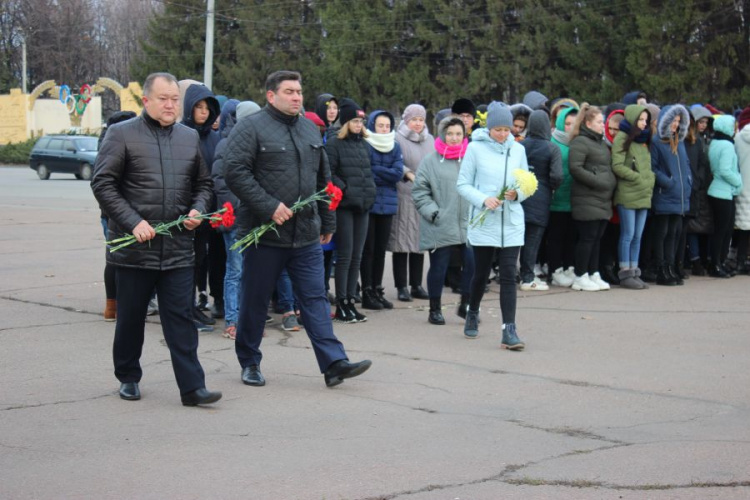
{"x":439,"y":260}
{"x":262,"y":266}
{"x":232,"y":280}
{"x":632,"y":222}
{"x":285,"y":293}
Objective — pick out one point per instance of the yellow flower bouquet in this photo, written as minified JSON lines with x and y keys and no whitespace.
{"x":526,"y":183}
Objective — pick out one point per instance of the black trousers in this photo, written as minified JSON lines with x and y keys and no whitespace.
{"x":666,"y":230}
{"x":373,"y":255}
{"x":416,"y":265}
{"x":507,"y":258}
{"x":175,"y":291}
{"x":590,"y":234}
{"x":561,"y":241}
{"x":723,"y":225}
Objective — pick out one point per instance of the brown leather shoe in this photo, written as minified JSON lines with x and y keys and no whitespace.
{"x":110,"y":310}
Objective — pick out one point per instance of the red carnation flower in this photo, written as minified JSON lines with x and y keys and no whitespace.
{"x":336,"y":196}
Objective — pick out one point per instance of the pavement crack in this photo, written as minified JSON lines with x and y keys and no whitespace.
{"x":40,"y":405}
{"x":567,"y":431}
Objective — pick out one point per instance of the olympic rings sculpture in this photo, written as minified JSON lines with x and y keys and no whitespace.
{"x":76,"y":103}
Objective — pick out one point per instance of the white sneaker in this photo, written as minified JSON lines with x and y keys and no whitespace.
{"x":571,"y":273}
{"x":584,"y":283}
{"x":559,"y":278}
{"x":535,"y":286}
{"x":597,"y":279}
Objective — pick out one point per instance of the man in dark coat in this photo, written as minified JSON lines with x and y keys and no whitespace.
{"x":150,"y":170}
{"x":274,"y":158}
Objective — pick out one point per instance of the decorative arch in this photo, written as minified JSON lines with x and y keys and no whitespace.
{"x":107,"y":83}
{"x":39,"y":90}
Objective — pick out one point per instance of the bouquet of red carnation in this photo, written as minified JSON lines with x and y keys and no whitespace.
{"x":225,"y":217}
{"x":331,"y":195}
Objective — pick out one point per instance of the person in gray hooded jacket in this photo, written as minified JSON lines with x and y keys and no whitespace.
{"x":444,"y":214}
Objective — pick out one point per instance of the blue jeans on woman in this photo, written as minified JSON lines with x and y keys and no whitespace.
{"x":232,"y":279}
{"x":632,"y":221}
{"x":285,"y":293}
{"x":439,"y":260}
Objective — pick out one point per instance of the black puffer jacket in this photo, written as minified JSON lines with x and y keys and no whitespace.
{"x":351,"y":171}
{"x":700,"y":213}
{"x":545,"y":161}
{"x":272,"y":158}
{"x":148,"y":172}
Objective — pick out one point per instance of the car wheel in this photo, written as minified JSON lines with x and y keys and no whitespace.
{"x":85,"y":172}
{"x":42,"y":172}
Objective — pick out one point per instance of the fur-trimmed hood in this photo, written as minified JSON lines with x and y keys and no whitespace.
{"x":666,"y":116}
{"x":520,"y":109}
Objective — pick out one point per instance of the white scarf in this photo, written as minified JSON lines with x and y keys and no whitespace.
{"x":382,"y":142}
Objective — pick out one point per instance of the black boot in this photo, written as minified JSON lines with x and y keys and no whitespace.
{"x":419,"y":293}
{"x":436,"y":314}
{"x":380,"y":294}
{"x":717,"y":271}
{"x":370,"y":300}
{"x":675,"y":275}
{"x":463,"y":305}
{"x":342,"y":314}
{"x":403,"y":294}
{"x":664,"y":277}
{"x":648,"y":274}
{"x":358,"y":316}
{"x":697,"y":268}
{"x":609,"y":275}
{"x":680,"y":268}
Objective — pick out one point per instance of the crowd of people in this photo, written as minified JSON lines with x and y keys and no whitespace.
{"x":629,"y":193}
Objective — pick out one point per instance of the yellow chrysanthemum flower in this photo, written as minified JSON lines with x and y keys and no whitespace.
{"x":526,"y":181}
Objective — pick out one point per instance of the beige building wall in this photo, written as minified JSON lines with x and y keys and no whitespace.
{"x":14,"y":117}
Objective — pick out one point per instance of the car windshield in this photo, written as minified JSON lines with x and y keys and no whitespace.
{"x":88,"y":144}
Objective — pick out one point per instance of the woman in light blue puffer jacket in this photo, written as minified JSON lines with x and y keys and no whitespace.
{"x":726,"y":185}
{"x":488,"y":167}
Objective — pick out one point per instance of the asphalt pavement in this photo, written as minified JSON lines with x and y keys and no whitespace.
{"x":619,"y":395}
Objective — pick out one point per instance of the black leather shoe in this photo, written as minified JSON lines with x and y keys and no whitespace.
{"x":403,"y":294}
{"x":251,"y":375}
{"x":342,"y":369}
{"x":202,"y":318}
{"x":419,"y":293}
{"x":200,"y":396}
{"x":129,"y":391}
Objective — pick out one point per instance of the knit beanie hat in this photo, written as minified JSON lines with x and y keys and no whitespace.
{"x":246,"y":108}
{"x":349,"y":110}
{"x":499,"y":115}
{"x":463,"y":105}
{"x":414,"y":111}
{"x":744,"y":117}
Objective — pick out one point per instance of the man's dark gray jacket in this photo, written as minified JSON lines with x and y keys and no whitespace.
{"x":148,"y":172}
{"x":274,"y":158}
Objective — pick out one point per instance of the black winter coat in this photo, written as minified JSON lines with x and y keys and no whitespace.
{"x":700,"y":212}
{"x":351,"y":171}
{"x":545,"y":161}
{"x":148,"y":172}
{"x":274,"y":158}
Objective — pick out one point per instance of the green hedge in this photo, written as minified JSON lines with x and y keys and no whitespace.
{"x":17,"y":153}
